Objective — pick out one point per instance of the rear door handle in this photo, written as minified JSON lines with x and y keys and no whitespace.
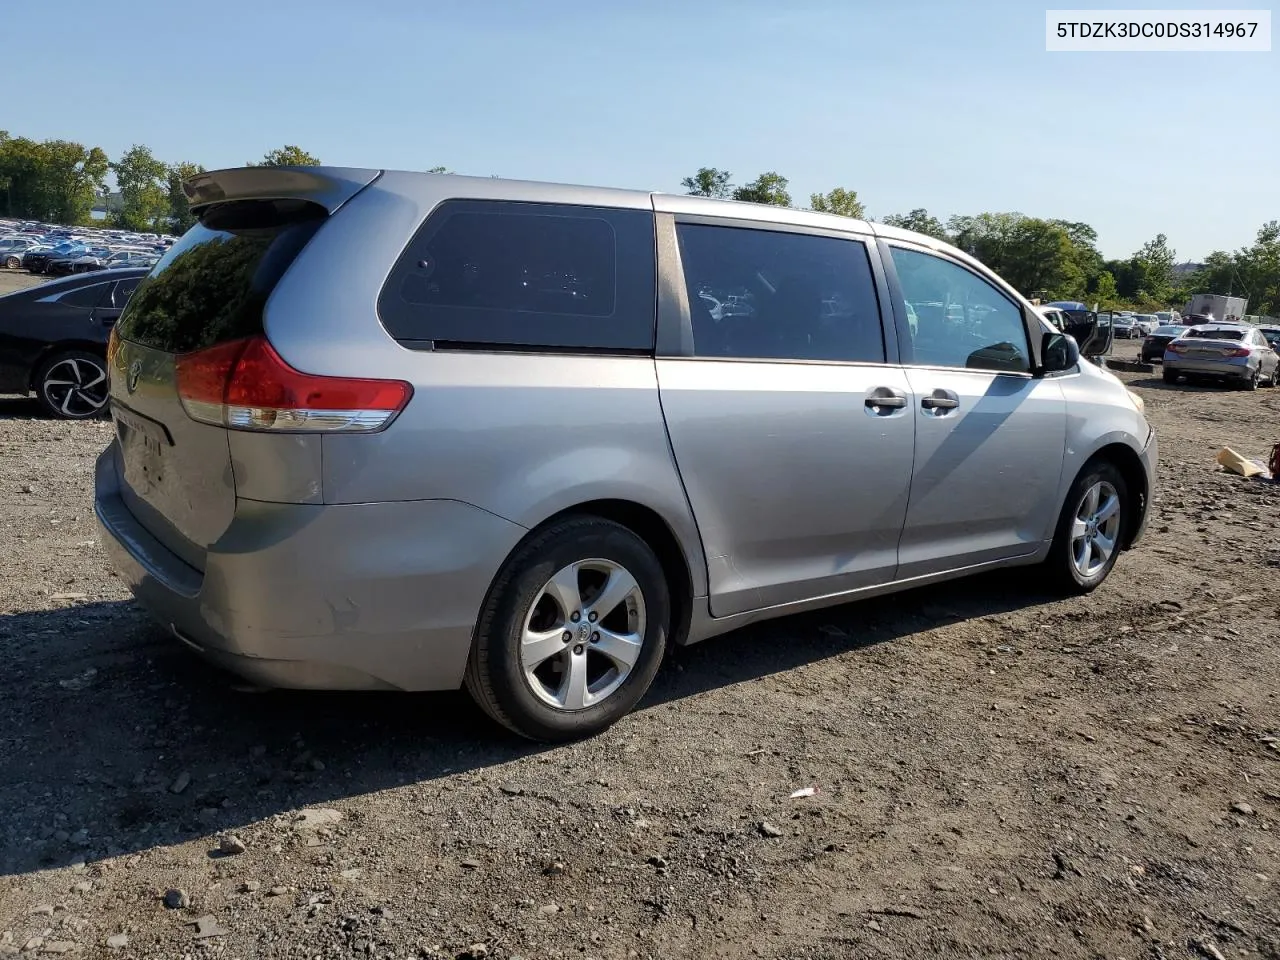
{"x":940,"y":401}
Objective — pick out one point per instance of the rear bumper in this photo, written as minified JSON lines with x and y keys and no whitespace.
{"x":1239,"y":370}
{"x":339,"y":597}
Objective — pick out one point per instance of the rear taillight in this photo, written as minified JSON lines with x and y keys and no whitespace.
{"x":1175,"y":347}
{"x":1237,"y":352}
{"x":246,"y":385}
{"x":113,"y":348}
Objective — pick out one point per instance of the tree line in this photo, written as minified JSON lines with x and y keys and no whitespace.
{"x":60,"y":181}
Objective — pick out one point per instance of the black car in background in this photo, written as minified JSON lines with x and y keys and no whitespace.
{"x":1154,"y":343}
{"x":53,"y":339}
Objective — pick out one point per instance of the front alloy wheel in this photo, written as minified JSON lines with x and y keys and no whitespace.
{"x":1096,"y":529}
{"x":73,"y":386}
{"x":1090,"y":529}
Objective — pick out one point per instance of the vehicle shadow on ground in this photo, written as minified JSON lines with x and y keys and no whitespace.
{"x":114,"y":715}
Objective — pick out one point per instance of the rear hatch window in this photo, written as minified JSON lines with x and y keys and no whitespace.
{"x":212,"y":285}
{"x":209,"y":289}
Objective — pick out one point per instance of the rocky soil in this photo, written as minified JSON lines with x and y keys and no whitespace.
{"x":994,"y":773}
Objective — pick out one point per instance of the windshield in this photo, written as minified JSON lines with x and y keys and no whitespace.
{"x":1168,"y":331}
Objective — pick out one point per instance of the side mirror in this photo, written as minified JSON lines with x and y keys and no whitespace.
{"x":1058,"y":352}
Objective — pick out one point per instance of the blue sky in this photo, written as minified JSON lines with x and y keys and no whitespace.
{"x":955,"y":106}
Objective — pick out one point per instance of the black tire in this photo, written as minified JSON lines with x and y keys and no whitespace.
{"x":495,"y":677}
{"x":1252,"y":380}
{"x":1060,"y":564}
{"x":1170,"y":376}
{"x":61,"y":367}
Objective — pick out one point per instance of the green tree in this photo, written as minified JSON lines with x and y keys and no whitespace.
{"x":287,"y":156}
{"x":708,"y":182}
{"x":55,"y":180}
{"x":839,"y":201}
{"x":144,"y":192}
{"x":770,"y":188}
{"x":1104,"y":291}
{"x":180,"y":217}
{"x":919,"y":220}
{"x":1036,"y":256}
{"x":1153,"y":269}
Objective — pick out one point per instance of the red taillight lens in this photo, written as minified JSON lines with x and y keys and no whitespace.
{"x":113,"y":348}
{"x":1237,"y":352}
{"x":1175,"y":347}
{"x":246,"y":385}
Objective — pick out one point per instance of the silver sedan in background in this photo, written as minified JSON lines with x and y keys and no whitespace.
{"x":1225,"y":351}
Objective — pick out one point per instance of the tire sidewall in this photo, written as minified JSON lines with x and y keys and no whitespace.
{"x":1062,"y":550}
{"x":531,"y":569}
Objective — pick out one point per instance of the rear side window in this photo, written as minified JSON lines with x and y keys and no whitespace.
{"x":768,"y":295}
{"x":491,"y":273}
{"x":211,"y":286}
{"x":88,"y":297}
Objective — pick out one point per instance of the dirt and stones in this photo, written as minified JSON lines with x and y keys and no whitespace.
{"x":998,"y":773}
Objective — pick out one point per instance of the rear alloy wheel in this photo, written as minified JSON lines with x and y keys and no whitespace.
{"x":72,"y":385}
{"x":572,"y":633}
{"x":1090,"y":529}
{"x":12,"y":262}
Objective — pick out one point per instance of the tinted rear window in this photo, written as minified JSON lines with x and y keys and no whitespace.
{"x":1201,"y":334}
{"x":526,"y":275}
{"x":211,"y":286}
{"x":1169,"y":331}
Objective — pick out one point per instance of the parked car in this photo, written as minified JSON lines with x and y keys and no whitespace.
{"x":1126,"y":326}
{"x":12,"y":250}
{"x":1147,"y":322}
{"x":1222,"y":351}
{"x":1154,"y":344}
{"x":61,"y":267}
{"x":1168,"y":318}
{"x":408,"y":470}
{"x":53,"y":340}
{"x":1272,"y":336}
{"x":37,"y":259}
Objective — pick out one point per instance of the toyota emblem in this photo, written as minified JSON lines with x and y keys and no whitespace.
{"x":135,"y":371}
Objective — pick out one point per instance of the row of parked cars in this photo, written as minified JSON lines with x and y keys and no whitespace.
{"x":1201,"y":348}
{"x":60,"y":251}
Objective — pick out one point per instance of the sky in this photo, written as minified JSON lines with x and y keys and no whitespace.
{"x":951,"y":106}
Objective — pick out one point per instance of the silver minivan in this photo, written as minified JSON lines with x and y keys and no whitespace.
{"x":402,"y":431}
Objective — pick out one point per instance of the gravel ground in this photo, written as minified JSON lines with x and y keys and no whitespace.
{"x":997,"y":773}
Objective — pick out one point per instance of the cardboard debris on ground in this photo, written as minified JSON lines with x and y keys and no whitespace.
{"x":1234,"y":462}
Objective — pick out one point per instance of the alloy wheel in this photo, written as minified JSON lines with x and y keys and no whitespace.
{"x":583,"y":634}
{"x":75,"y":387}
{"x":1096,"y":529}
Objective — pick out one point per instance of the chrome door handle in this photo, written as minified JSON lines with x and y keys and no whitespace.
{"x":892,"y":403}
{"x":939,"y":403}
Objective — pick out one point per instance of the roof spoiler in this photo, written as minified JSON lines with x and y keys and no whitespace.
{"x":330,"y":187}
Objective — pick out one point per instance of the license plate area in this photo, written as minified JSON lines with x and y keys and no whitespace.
{"x":143,"y":446}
